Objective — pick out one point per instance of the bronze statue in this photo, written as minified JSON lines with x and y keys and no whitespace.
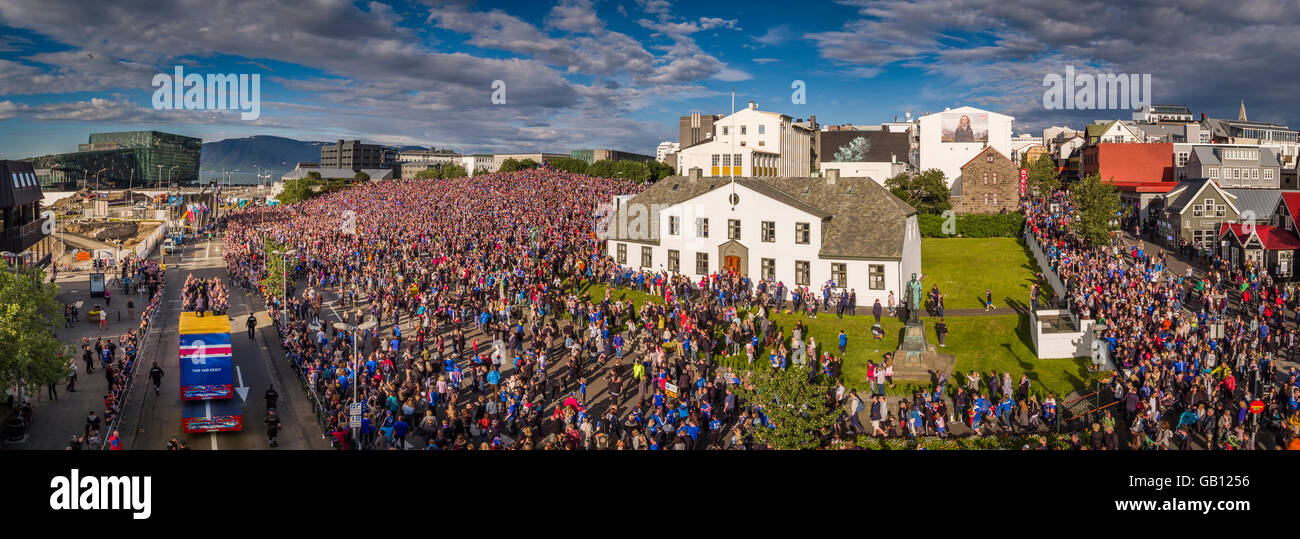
{"x":914,"y":299}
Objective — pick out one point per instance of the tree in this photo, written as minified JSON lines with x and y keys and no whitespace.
{"x":659,"y":171}
{"x":452,"y":171}
{"x":427,"y":174}
{"x":576,"y":166}
{"x":797,"y":409}
{"x":29,"y":315}
{"x":313,"y":175}
{"x":1098,"y":208}
{"x":361,"y":177}
{"x":1042,"y":175}
{"x":274,"y":280}
{"x":927,"y":192}
{"x":632,"y":170}
{"x":603,"y":169}
{"x":512,"y":164}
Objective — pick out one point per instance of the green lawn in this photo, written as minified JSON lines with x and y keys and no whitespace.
{"x":979,"y":343}
{"x":964,"y":268}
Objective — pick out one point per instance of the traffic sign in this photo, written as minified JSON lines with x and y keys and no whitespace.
{"x":354,"y":415}
{"x":1257,"y":407}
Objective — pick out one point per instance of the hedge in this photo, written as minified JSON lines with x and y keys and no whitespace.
{"x":934,"y":443}
{"x":1006,"y":225}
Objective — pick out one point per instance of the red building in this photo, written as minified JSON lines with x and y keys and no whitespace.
{"x":1130,"y":162}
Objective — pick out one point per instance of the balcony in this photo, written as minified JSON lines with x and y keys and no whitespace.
{"x":20,"y":238}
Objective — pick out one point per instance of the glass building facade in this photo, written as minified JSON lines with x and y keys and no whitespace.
{"x":131,"y":158}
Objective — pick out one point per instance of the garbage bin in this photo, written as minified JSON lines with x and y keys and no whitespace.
{"x":14,"y":426}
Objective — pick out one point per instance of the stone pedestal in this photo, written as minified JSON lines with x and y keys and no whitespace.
{"x":917,"y":359}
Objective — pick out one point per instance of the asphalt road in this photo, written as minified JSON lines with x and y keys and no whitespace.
{"x":153,"y":419}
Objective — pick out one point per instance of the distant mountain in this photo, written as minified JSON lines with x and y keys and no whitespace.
{"x":275,"y":155}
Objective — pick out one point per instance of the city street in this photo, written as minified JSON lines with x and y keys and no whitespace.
{"x":151,"y":420}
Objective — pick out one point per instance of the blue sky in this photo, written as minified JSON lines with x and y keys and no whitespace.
{"x":605,"y":74}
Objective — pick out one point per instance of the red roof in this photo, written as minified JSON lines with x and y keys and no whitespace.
{"x":1274,"y":238}
{"x":1146,"y":187}
{"x":1133,"y":162}
{"x":1292,"y":201}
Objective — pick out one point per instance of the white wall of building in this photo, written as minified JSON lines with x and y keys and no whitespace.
{"x":753,"y":133}
{"x":752,"y":209}
{"x":879,"y":171}
{"x":666,"y":147}
{"x":950,"y":156}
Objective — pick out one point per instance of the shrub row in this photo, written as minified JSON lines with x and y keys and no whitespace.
{"x":1006,"y":225}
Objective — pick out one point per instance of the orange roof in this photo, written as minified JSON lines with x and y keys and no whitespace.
{"x":1146,"y":187}
{"x":1135,"y":161}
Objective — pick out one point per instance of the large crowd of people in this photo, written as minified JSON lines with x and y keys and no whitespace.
{"x":1189,"y":360}
{"x":457,"y":313}
{"x":202,"y":295}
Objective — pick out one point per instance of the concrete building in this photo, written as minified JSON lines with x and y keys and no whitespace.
{"x":877,"y":154}
{"x":796,"y":231}
{"x":1163,"y":114}
{"x":752,"y":143}
{"x":352,"y":154}
{"x":591,"y":156}
{"x":666,"y":148}
{"x":989,"y":183}
{"x":478,"y":164}
{"x":1022,"y":142}
{"x":695,"y":128}
{"x":1244,"y":131}
{"x":538,"y":158}
{"x":951,"y":138}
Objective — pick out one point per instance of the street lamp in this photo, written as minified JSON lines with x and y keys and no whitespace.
{"x":284,"y":300}
{"x":97,"y":181}
{"x":158,"y":182}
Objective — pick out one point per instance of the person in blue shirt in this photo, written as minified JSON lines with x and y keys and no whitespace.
{"x":844,"y":342}
{"x":399,"y":432}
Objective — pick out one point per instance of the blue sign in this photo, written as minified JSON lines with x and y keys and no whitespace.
{"x":174,"y":200}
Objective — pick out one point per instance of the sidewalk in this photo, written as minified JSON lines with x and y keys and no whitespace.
{"x":58,"y":420}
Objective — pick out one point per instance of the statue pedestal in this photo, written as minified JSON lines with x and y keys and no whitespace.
{"x":917,"y":359}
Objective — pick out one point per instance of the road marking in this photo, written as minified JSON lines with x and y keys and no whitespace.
{"x":211,"y":435}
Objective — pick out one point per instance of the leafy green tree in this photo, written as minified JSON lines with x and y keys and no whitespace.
{"x":632,"y":170}
{"x":1098,"y":207}
{"x":361,"y":176}
{"x":313,"y":175}
{"x":29,"y":315}
{"x":603,"y":168}
{"x":427,"y":174}
{"x":797,"y":409}
{"x":512,"y":164}
{"x":576,"y":166}
{"x":927,"y":192}
{"x":274,"y":280}
{"x":452,"y":171}
{"x":659,"y":171}
{"x":1042,"y":175}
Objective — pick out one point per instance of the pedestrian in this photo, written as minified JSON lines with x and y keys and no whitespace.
{"x":877,"y":310}
{"x":941,"y":330}
{"x":844,"y":342}
{"x":988,"y":299}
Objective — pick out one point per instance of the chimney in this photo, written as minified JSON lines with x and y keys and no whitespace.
{"x":832,"y":174}
{"x":752,"y":105}
{"x":893,"y":158}
{"x":1202,"y":116}
{"x":694,"y":174}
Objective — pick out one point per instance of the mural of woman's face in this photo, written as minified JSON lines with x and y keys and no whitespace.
{"x":965,"y":121}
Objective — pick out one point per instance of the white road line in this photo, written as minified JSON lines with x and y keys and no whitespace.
{"x":211,"y":435}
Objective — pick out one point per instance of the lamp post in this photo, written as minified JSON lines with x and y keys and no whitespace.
{"x":158,"y":182}
{"x":97,"y":181}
